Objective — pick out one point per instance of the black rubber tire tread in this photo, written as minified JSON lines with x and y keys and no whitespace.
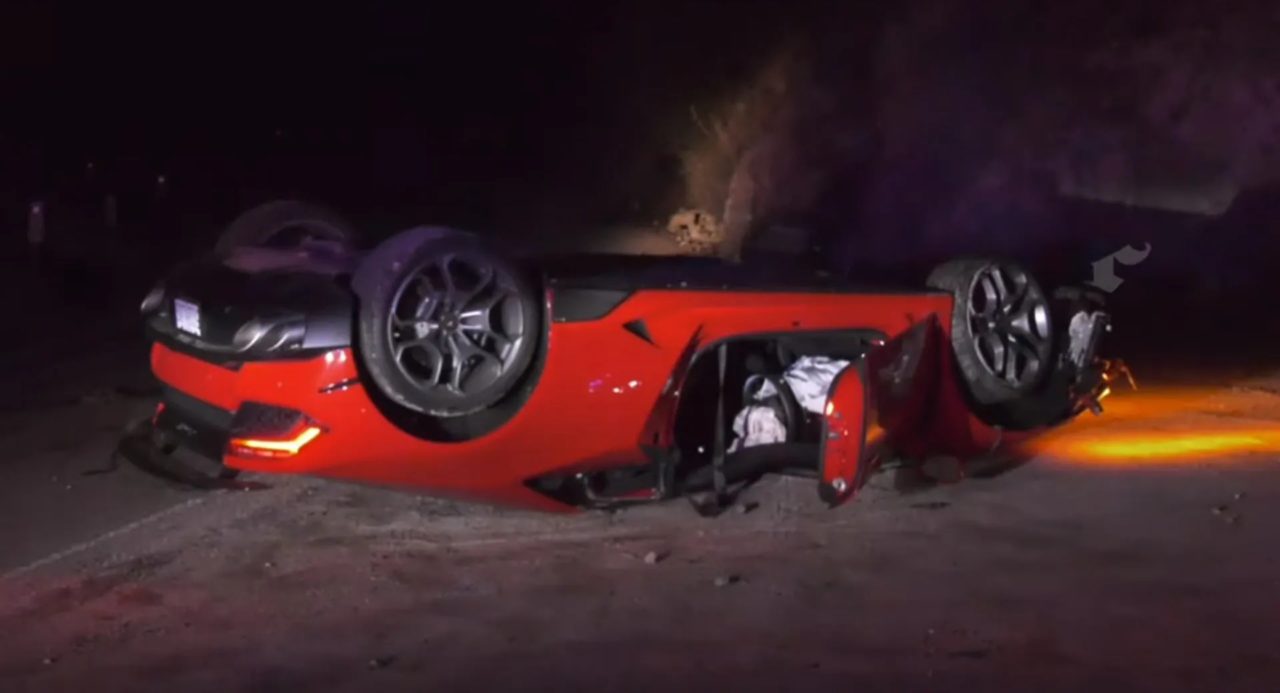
{"x":257,"y":225}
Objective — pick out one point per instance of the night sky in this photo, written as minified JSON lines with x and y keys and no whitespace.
{"x":450,"y":107}
{"x":929,"y":130}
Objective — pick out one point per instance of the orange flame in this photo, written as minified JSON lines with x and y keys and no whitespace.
{"x":1160,"y":427}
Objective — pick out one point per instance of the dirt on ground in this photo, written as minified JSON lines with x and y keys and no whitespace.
{"x":1060,"y":574}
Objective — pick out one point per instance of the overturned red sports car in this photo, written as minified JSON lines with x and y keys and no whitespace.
{"x":432,"y":362}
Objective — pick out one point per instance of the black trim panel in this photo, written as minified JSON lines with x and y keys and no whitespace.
{"x":630,"y":273}
{"x":640,"y":329}
{"x":195,"y":424}
{"x":279,"y":314}
{"x":580,"y":305}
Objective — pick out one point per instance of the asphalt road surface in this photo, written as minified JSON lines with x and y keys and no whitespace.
{"x":1092,"y":566}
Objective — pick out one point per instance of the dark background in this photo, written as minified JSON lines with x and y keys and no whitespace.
{"x":908,"y":133}
{"x":470,"y":113}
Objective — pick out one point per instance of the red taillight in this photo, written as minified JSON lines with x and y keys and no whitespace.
{"x":267,"y":447}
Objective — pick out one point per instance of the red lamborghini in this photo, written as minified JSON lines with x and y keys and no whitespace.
{"x":432,"y":362}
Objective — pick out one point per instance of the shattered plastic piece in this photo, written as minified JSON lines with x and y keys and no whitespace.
{"x":726,"y":580}
{"x":652,"y":558}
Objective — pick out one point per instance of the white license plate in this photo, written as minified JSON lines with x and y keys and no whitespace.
{"x":186,"y":315}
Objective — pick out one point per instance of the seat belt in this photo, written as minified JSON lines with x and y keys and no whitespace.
{"x":717,"y":451}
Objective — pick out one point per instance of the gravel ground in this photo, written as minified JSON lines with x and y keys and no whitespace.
{"x":1057,"y":575}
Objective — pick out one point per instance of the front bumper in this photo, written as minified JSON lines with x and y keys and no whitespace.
{"x":357,"y":443}
{"x":198,"y":426}
{"x":156,"y":452}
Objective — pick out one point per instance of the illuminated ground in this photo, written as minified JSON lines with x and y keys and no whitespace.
{"x":1137,"y":551}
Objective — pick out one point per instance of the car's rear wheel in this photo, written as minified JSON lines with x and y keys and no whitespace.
{"x":1001,"y":330}
{"x":447,"y":327}
{"x":285,"y":224}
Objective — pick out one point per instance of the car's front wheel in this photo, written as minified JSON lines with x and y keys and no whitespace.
{"x":446,"y":326}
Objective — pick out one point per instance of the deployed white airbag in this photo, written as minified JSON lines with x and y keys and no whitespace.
{"x":759,"y":423}
{"x":810,"y":380}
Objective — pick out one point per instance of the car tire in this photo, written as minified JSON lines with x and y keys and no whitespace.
{"x":1001,"y":330}
{"x":284,"y":224}
{"x":446,"y":326}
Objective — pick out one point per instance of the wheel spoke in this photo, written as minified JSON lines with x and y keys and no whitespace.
{"x":411,"y":344}
{"x":1028,"y":321}
{"x":1028,"y":356}
{"x":466,"y":356}
{"x":468,"y":349}
{"x":450,"y":291}
{"x":1021,"y":325}
{"x":450,"y":329}
{"x":490,"y":302}
{"x":1009,"y":324}
{"x":1011,"y":365}
{"x":413,"y":323}
{"x":457,"y":365}
{"x":499,"y":342}
{"x":485,"y":280}
{"x":422,"y":280}
{"x":427,"y":307}
{"x":428,"y":346}
{"x":996,"y":349}
{"x":990,"y":296}
{"x":1017,"y":299}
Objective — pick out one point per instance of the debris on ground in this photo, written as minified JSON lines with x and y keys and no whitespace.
{"x":381,"y":662}
{"x":726,"y":580}
{"x":1219,"y":509}
{"x":747,"y":507}
{"x":653,"y":557}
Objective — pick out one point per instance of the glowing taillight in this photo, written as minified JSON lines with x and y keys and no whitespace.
{"x":264,"y":447}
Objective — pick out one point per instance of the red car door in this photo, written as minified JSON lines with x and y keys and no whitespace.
{"x":874,"y":401}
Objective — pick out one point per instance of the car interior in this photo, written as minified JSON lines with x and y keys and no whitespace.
{"x":769,"y":357}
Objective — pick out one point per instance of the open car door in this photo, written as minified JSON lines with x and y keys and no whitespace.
{"x":879,"y":398}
